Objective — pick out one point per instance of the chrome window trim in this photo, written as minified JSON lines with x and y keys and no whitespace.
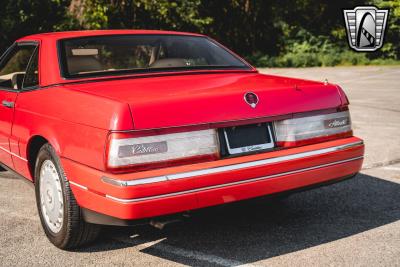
{"x":183,"y":175}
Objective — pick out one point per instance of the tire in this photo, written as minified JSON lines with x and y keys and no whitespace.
{"x":2,"y":169}
{"x":59,"y":213}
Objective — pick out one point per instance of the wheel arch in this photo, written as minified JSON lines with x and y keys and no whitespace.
{"x":33,"y":148}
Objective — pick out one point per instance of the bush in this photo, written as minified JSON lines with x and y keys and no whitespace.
{"x":302,"y":49}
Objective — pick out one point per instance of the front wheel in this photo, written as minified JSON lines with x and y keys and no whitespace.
{"x":59,"y":213}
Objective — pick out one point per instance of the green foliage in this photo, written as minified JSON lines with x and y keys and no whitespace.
{"x":20,"y":17}
{"x":273,"y":33}
{"x":324,"y":43}
{"x":303,"y":49}
{"x":391,"y":49}
{"x":128,"y":14}
{"x":95,"y":15}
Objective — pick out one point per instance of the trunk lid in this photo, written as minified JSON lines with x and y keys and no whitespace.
{"x":178,"y":100}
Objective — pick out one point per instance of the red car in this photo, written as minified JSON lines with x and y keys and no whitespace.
{"x":117,"y":126}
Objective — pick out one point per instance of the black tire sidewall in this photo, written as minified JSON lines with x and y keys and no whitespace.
{"x":47,"y":153}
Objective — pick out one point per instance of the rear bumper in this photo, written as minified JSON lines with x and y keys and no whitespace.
{"x":177,"y":189}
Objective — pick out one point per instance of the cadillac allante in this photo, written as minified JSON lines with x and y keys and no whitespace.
{"x":116,"y":127}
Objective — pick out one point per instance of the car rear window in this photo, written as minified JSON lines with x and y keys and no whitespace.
{"x":114,"y":55}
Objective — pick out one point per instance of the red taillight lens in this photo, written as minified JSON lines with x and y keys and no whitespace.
{"x":313,"y":129}
{"x":126,"y":151}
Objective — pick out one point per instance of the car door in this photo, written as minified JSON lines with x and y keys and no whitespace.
{"x":13,"y":66}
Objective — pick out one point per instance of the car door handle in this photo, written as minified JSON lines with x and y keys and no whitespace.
{"x":7,"y":104}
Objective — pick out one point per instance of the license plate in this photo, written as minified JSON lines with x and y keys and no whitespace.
{"x":248,"y":138}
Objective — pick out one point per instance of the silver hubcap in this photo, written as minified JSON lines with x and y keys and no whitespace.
{"x":51,"y":199}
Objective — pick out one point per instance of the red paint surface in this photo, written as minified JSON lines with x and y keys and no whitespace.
{"x":76,"y":117}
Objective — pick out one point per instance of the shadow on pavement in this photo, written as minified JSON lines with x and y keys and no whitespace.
{"x":259,"y":229}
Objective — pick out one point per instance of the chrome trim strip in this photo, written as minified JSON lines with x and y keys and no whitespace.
{"x":78,"y":185}
{"x":134,"y":182}
{"x":229,"y":184}
{"x":233,"y":167}
{"x":13,"y":154}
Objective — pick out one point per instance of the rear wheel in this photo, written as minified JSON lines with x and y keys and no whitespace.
{"x":60,"y":215}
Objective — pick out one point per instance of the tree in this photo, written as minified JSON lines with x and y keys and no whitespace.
{"x":143,"y":14}
{"x":277,"y":31}
{"x":20,"y":17}
{"x":391,"y":46}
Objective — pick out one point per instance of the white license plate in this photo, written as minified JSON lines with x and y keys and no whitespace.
{"x":258,"y":139}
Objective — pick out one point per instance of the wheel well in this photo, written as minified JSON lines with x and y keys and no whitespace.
{"x":34,"y":146}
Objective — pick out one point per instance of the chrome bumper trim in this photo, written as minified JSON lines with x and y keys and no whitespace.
{"x":233,"y":167}
{"x":229,"y":184}
{"x":78,"y":185}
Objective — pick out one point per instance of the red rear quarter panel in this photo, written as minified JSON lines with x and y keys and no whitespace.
{"x":75,"y":123}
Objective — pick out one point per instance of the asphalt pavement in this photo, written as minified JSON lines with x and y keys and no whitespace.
{"x":352,"y":223}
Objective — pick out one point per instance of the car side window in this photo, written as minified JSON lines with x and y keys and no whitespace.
{"x":32,"y":73}
{"x":14,"y":65}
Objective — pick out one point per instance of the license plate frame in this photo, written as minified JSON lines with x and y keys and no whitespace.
{"x":251,"y":148}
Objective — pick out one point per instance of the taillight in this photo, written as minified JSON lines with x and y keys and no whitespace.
{"x":312,"y":129}
{"x":128,"y":151}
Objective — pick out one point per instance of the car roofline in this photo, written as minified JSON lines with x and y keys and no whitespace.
{"x":77,"y":34}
